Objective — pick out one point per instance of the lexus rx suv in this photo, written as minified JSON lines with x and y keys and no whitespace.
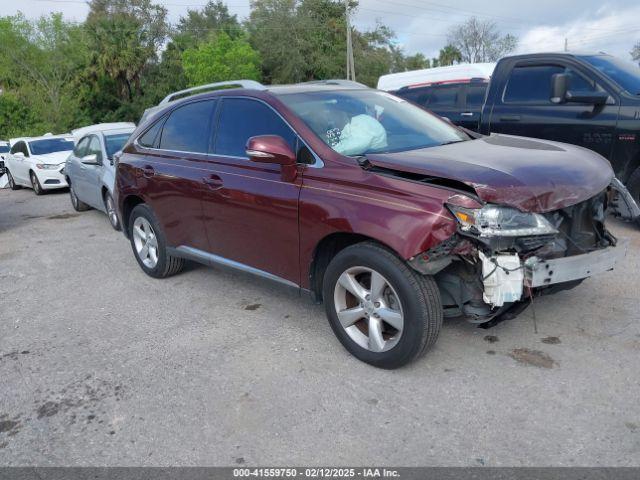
{"x":386,"y":213}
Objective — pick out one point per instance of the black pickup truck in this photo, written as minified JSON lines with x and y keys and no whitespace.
{"x":590,"y":100}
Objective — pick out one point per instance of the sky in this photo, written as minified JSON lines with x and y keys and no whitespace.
{"x":422,"y":26}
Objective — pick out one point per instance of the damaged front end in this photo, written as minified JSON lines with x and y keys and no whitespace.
{"x":501,"y":258}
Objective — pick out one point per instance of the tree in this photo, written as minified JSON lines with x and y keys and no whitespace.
{"x":38,"y":65}
{"x":198,"y":25}
{"x":301,"y":40}
{"x":480,"y":41}
{"x":635,"y":53}
{"x":417,"y":62}
{"x":449,"y":55}
{"x":124,"y":36}
{"x":221,"y":58}
{"x":15,"y":117}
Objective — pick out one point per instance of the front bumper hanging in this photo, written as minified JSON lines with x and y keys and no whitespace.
{"x":540,"y":272}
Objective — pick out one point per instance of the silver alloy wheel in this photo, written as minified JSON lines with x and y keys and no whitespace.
{"x":145,"y":241}
{"x":34,"y":183}
{"x":74,"y":197}
{"x":368,"y":309}
{"x":111,"y":211}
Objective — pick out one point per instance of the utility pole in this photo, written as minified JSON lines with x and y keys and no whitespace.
{"x":566,"y":44}
{"x":351,"y":68}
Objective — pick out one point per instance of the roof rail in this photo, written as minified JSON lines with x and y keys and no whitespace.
{"x":241,"y":83}
{"x":338,"y":81}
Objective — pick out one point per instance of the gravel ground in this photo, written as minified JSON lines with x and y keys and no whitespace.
{"x":102,"y":365}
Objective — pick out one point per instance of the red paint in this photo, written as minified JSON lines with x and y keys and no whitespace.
{"x":445,"y":82}
{"x":273,"y":215}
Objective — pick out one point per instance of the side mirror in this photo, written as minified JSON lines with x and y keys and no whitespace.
{"x":19,"y":154}
{"x":91,"y":159}
{"x":559,"y":86}
{"x":270,"y":149}
{"x":594,"y":98}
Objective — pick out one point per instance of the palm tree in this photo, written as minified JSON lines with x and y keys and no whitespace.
{"x":449,"y":55}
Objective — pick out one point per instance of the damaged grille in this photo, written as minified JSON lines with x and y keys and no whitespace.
{"x":581,"y":226}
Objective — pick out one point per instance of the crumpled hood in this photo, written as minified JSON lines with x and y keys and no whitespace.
{"x":528,"y":174}
{"x":55,"y":158}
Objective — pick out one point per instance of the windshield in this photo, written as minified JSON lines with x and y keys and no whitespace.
{"x":626,"y":74}
{"x":4,"y":148}
{"x":50,"y":145}
{"x":357,"y":122}
{"x":113,"y":143}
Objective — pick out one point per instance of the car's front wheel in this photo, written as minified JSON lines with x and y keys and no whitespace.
{"x":12,"y":183}
{"x":111,"y":211}
{"x":149,"y":244}
{"x":35,"y":184}
{"x":78,"y":205}
{"x":381,"y":310}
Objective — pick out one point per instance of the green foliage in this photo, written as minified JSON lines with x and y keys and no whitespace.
{"x":449,"y":55}
{"x":221,"y":58}
{"x":38,"y":63}
{"x":56,"y":75}
{"x":15,"y":118}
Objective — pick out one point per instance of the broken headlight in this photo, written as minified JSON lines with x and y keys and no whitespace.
{"x":497,"y":221}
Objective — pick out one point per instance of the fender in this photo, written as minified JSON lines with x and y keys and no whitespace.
{"x":408,"y":217}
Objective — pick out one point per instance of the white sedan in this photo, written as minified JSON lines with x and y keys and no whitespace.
{"x":37,"y":162}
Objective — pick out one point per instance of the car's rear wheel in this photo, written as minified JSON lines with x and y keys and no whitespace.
{"x":78,"y":205}
{"x":149,"y":244}
{"x":381,"y":310}
{"x":12,"y":183}
{"x":35,"y":184}
{"x":111,"y":211}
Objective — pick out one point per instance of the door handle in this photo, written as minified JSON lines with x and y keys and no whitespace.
{"x":213,"y":181}
{"x":148,"y":171}
{"x":466,"y":114}
{"x":510,"y":118}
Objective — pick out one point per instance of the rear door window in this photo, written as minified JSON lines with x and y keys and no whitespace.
{"x":419,"y":95}
{"x":444,"y":96}
{"x":243,"y":118}
{"x":150,"y":138}
{"x":531,"y":84}
{"x":475,"y":95}
{"x":188,"y":128}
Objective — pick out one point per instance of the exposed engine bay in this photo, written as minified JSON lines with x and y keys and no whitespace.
{"x":501,"y":258}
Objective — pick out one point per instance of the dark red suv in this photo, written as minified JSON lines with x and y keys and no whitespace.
{"x":388,"y":214}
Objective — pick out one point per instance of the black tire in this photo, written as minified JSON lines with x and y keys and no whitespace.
{"x":35,"y":184}
{"x":418,"y":294}
{"x":78,"y":205}
{"x":633,"y":185}
{"x":166,"y":265}
{"x":110,"y":206}
{"x":12,"y":183}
